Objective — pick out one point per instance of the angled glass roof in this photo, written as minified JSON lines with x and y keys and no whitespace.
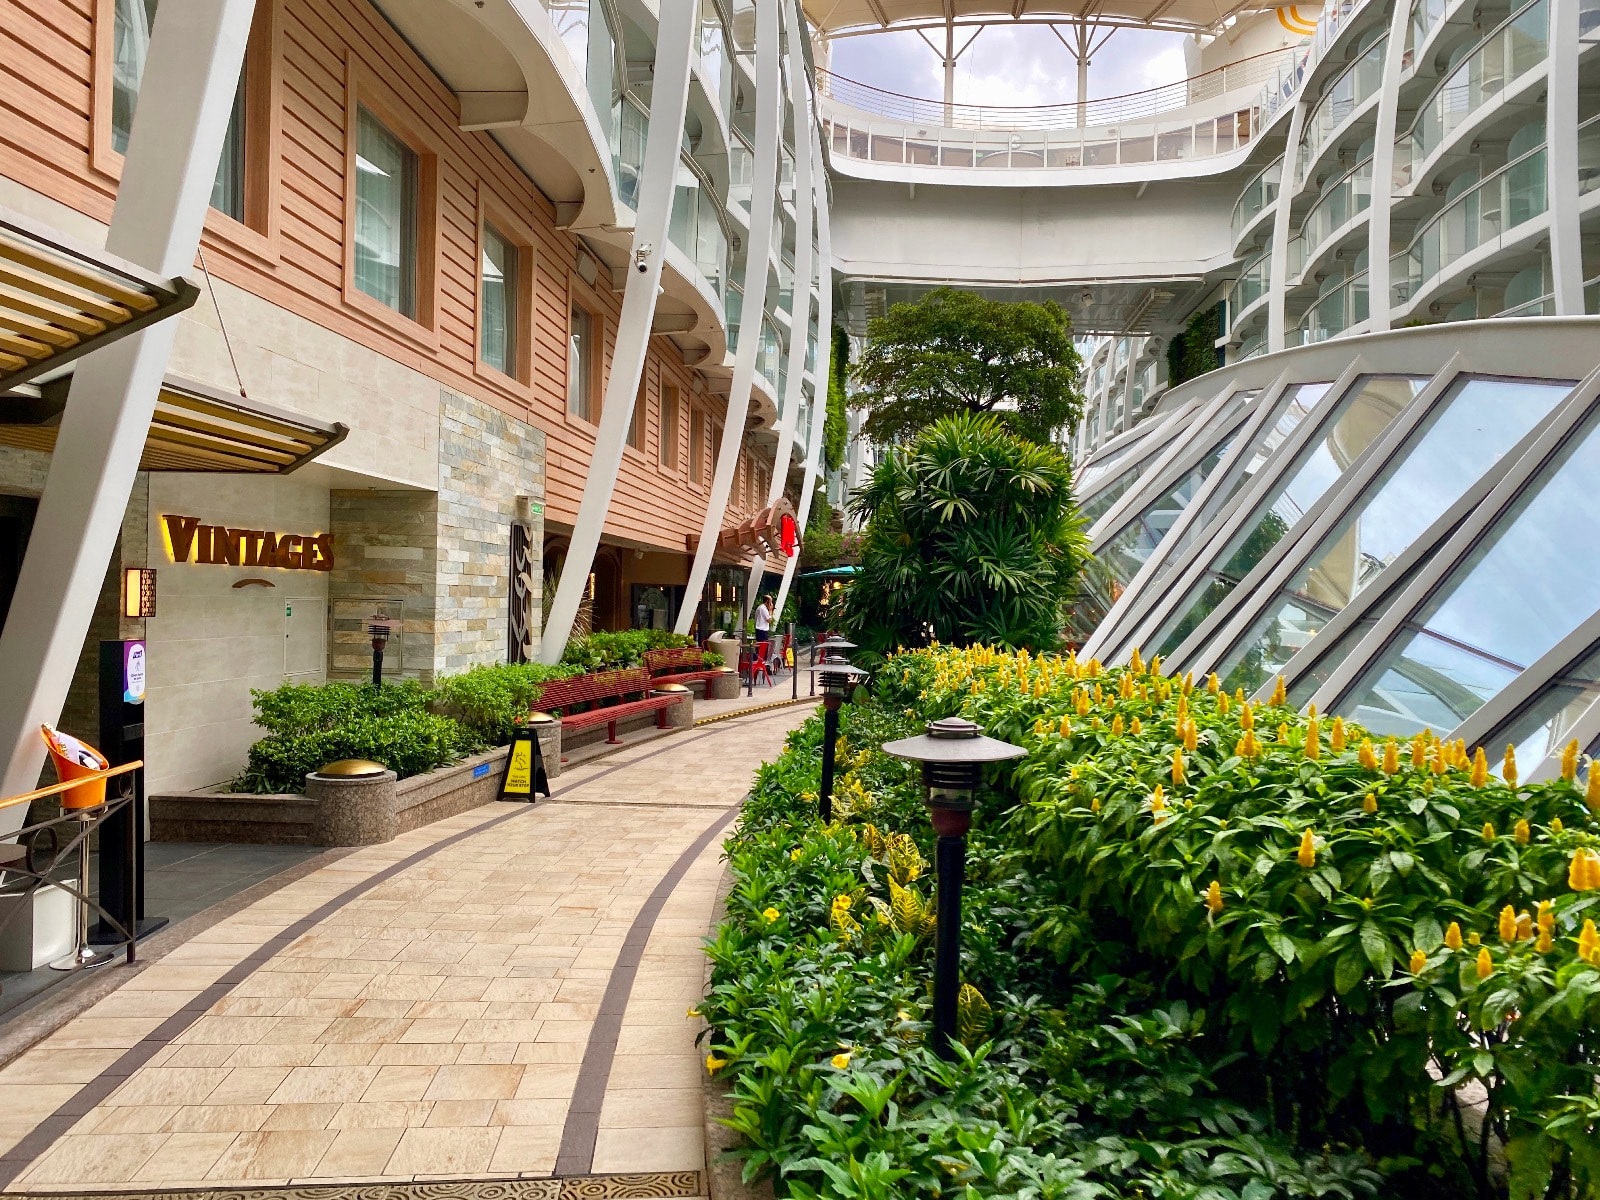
{"x":857,"y":16}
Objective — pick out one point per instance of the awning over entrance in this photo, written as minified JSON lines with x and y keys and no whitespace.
{"x":60,"y":299}
{"x":761,"y":534}
{"x":195,"y":428}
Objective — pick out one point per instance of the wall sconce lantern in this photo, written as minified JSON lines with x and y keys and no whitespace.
{"x":952,"y":753}
{"x":139,"y":592}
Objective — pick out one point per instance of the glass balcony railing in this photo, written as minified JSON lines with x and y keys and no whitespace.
{"x":1352,"y":88}
{"x":1337,"y":205}
{"x":1345,"y":307}
{"x":1259,"y":194}
{"x":861,"y":136}
{"x":732,"y":311}
{"x":1544,"y":306}
{"x":1512,"y":195}
{"x":1589,"y":156}
{"x":1425,"y":14}
{"x":741,"y":168}
{"x":786,"y":282}
{"x":1518,"y":45}
{"x":714,"y":57}
{"x":1295,"y":263}
{"x":628,"y":154}
{"x":1254,"y":281}
{"x":769,"y":356}
{"x":585,"y":30}
{"x":695,"y":228}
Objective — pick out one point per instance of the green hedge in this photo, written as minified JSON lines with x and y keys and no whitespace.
{"x":624,"y":648}
{"x":408,"y":743}
{"x":489,"y":700}
{"x":1211,"y":956}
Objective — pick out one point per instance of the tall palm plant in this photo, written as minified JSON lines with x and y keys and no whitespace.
{"x":971,"y":535}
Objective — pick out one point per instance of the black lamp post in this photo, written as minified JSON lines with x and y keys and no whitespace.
{"x":838,"y":679}
{"x":379,"y":626}
{"x":952,"y":753}
{"x":834,"y":647}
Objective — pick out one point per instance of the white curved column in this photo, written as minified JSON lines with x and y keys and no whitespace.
{"x":800,"y":306}
{"x":190,"y":78}
{"x":1561,"y":159}
{"x":764,"y":186}
{"x":1379,"y":285}
{"x":1277,"y":285}
{"x":819,"y":412}
{"x":669,"y":97}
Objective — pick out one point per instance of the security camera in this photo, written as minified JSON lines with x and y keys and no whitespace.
{"x":641,"y":258}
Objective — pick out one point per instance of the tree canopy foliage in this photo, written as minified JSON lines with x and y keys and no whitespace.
{"x":971,"y":535}
{"x":957,"y":352}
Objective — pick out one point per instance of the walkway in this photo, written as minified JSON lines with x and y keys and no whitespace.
{"x":499,"y":995}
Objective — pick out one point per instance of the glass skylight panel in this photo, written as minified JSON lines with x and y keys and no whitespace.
{"x":1125,"y":553}
{"x":1363,"y":414}
{"x":1545,"y":726}
{"x":1298,"y":401}
{"x":1472,"y":427}
{"x":1527,"y":585}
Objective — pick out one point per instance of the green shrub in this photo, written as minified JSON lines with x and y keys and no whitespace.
{"x":298,"y":708}
{"x":624,"y":648}
{"x":408,"y":743}
{"x":1245,"y":973}
{"x":488,"y":700}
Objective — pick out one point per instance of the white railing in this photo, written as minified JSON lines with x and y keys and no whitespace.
{"x":1258,"y":195}
{"x":1338,"y":204}
{"x":1345,"y":307}
{"x":1352,"y":88}
{"x":1111,"y":110}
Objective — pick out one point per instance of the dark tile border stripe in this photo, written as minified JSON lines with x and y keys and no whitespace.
{"x":44,"y":1135}
{"x":578,"y":1135}
{"x":666,"y":1184}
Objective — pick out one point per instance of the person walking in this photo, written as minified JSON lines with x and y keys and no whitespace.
{"x":763,"y":627}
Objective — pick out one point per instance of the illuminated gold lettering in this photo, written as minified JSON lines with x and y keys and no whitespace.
{"x":188,"y":540}
{"x":324,"y":552}
{"x":180,"y":536}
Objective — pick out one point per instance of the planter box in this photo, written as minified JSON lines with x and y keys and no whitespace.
{"x":243,"y":817}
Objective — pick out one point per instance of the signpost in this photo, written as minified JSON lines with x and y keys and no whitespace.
{"x":524,"y":777}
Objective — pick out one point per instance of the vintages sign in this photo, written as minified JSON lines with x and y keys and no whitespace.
{"x":190,"y":541}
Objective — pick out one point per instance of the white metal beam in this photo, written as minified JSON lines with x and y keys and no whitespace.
{"x":190,"y":78}
{"x":669,"y":98}
{"x":1379,"y":289}
{"x":1561,"y":160}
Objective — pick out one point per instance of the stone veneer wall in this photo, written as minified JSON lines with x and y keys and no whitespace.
{"x":439,"y":562}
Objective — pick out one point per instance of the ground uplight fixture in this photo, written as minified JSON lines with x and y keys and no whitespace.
{"x":379,"y":627}
{"x":838,"y":679}
{"x":952,"y":752}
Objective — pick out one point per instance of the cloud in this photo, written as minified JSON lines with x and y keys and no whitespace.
{"x":1012,"y":65}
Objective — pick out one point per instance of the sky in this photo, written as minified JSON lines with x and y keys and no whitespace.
{"x":1012,"y":65}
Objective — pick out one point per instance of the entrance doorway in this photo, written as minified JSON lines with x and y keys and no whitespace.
{"x":16,"y":524}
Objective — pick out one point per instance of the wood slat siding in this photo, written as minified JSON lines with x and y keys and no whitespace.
{"x":51,"y":116}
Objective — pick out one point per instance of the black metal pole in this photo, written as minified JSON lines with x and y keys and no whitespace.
{"x":794,"y":667}
{"x":830,"y":735}
{"x":377,"y":666}
{"x":950,"y":865}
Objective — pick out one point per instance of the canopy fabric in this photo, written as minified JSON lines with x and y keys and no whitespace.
{"x":195,"y":428}
{"x":857,"y":16}
{"x":830,"y":573}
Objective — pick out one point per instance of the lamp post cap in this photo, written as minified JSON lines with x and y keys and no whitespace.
{"x":838,"y":667}
{"x":836,"y":643}
{"x":953,"y":740}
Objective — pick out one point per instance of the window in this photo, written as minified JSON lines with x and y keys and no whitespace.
{"x":640,"y":402}
{"x":580,"y":364}
{"x":497,"y":334}
{"x":697,"y":441}
{"x":667,"y":403}
{"x":386,"y":216}
{"x":131,"y":26}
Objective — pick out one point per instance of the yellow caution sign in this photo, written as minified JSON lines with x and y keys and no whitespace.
{"x":524,"y":775}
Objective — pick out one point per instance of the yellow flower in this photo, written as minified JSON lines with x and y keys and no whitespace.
{"x":1280,"y":694}
{"x":1474,"y":938}
{"x":1508,"y":924}
{"x":1556,"y":827}
{"x":1222,"y":703}
{"x":1441,"y":758}
{"x":1419,"y":749}
{"x":1191,"y":736}
{"x":1094,"y":805}
{"x":693,"y":1014}
{"x":1487,"y":832}
{"x":1307,"y":857}
{"x":1521,"y":832}
{"x":714,"y":1064}
{"x":1370,"y":803}
{"x":841,"y":1060}
{"x":1485,"y":964}
{"x":1509,"y":770}
{"x":1452,"y":936}
{"x":795,"y":854}
{"x":1135,"y":727}
{"x":1588,"y":940}
{"x":1313,"y":748}
{"x":1066,"y":727}
{"x":1524,"y":927}
{"x":1391,"y":757}
{"x":1039,"y":727}
{"x":1116,"y":725}
{"x":1419,"y":962}
{"x":1546,"y":942}
{"x":1283,"y":733}
{"x":1247,"y":716}
{"x":1213,"y":684}
{"x":1569,"y":761}
{"x":1214,"y":897}
{"x":1336,"y":736}
{"x":1480,"y":768}
{"x":1366,"y":755}
{"x":1178,"y":773}
{"x":1547,"y":915}
{"x":1591,"y":793}
{"x":1158,"y":799}
{"x":1584,"y":873}
{"x":1135,"y":663}
{"x":770,"y":915}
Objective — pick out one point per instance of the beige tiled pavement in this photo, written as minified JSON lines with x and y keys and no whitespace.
{"x":434,"y":1024}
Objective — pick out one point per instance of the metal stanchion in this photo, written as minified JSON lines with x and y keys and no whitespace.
{"x":794,"y":667}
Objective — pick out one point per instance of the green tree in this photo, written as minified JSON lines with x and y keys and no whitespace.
{"x":971,"y":535}
{"x":956,"y":352}
{"x":835,"y":425}
{"x":1193,"y":352}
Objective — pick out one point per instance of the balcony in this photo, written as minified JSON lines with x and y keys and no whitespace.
{"x":1352,"y":88}
{"x":1255,"y":280}
{"x":1479,"y":216}
{"x":1258,"y":196}
{"x":1335,"y":208}
{"x":1589,"y":156}
{"x":695,"y":228}
{"x":1517,"y":46}
{"x":1345,"y":307}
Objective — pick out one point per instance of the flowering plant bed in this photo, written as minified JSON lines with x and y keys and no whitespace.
{"x":1213,"y":950}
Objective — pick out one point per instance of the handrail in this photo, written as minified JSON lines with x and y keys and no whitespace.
{"x":57,"y":788}
{"x":1329,"y":195}
{"x":1108,"y":110}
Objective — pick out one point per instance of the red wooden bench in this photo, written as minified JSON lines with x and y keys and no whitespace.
{"x":603,"y":699}
{"x":684,"y":664}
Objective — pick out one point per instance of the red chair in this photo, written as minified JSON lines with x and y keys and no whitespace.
{"x":753,"y":666}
